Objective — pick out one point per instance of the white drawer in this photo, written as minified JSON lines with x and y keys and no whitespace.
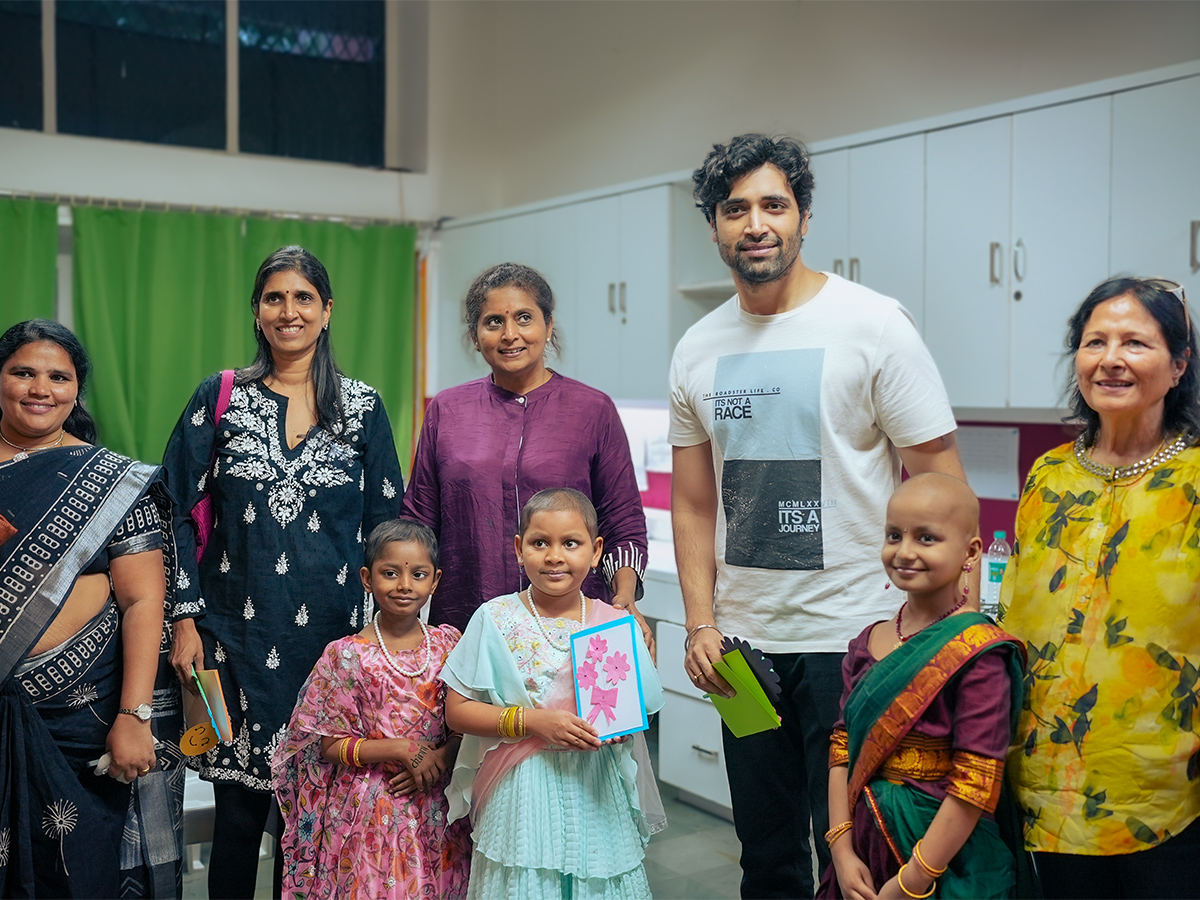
{"x":670,"y":660}
{"x":690,"y":755}
{"x":662,"y":598}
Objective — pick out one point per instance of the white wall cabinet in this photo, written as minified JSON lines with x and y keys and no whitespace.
{"x":1156,"y":184}
{"x":868,"y":218}
{"x":1061,"y":175}
{"x":624,"y":285}
{"x":1014,"y":239}
{"x":966,"y":238}
{"x":990,"y":232}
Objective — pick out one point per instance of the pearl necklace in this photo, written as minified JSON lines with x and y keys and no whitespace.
{"x":1083,"y":456}
{"x":391,"y":660}
{"x":537,"y":619}
{"x":23,"y":452}
{"x":901,"y":638}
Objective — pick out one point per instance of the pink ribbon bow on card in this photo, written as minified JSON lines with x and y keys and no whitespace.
{"x":603,"y":701}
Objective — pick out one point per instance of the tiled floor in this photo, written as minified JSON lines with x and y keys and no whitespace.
{"x":695,"y":857}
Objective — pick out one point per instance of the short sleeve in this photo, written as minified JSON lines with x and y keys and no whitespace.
{"x":686,"y":429}
{"x":139,"y":532}
{"x":907,"y":393}
{"x":481,"y":667}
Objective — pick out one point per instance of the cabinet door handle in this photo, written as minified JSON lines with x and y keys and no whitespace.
{"x":855,"y":269}
{"x":994,"y":249}
{"x":837,"y":267}
{"x":1195,"y":260}
{"x":1020,"y":260}
{"x":711,"y":753}
{"x":621,"y":303}
{"x":612,"y":295}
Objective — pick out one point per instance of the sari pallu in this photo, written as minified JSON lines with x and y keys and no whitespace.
{"x":65,"y":832}
{"x":889,"y":817}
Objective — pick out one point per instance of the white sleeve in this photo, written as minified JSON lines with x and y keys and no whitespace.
{"x":907,"y":393}
{"x":686,"y":427}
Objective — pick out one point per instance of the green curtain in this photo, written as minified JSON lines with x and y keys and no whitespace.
{"x":161,"y":302}
{"x":28,"y":251}
{"x":372,"y":271}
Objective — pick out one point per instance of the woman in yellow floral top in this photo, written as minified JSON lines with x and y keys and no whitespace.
{"x":1104,"y":588}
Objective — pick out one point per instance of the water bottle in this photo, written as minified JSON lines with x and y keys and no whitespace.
{"x":997,"y":559}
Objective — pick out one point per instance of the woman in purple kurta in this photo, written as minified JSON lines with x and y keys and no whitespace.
{"x":489,"y":445}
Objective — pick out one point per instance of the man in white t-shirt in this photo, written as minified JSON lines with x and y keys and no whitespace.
{"x":792,"y":407}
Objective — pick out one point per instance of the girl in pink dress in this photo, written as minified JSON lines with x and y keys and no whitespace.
{"x":361,"y":770}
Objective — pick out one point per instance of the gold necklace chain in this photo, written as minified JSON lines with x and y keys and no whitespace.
{"x":1165,"y":452}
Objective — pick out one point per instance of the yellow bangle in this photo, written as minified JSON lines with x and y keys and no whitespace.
{"x":930,"y":870}
{"x":342,"y":751}
{"x":907,"y":892}
{"x":837,"y":831}
{"x":358,"y":746}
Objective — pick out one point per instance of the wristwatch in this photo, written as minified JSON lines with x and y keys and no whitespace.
{"x":142,"y":711}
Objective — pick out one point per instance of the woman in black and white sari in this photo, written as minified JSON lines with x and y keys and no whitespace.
{"x":90,"y":718}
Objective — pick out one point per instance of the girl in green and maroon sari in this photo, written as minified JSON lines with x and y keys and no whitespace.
{"x":917,"y":762}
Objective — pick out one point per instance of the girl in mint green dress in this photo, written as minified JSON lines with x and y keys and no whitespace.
{"x":550,"y":821}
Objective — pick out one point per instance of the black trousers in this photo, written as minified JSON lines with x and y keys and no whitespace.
{"x":238,"y":822}
{"x":1163,"y":872}
{"x":779,"y":780}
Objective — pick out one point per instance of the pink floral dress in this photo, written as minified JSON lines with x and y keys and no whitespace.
{"x":344,"y":835}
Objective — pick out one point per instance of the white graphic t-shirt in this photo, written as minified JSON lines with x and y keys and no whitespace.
{"x":804,"y":411}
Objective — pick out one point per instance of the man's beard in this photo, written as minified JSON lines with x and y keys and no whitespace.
{"x":760,"y":271}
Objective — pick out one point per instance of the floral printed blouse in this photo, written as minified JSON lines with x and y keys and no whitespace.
{"x":1104,"y":588}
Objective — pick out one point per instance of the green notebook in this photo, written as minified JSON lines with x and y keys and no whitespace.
{"x":749,"y":712}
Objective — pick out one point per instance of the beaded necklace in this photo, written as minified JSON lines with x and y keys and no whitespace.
{"x":537,"y":619}
{"x":387,"y":654}
{"x":1083,"y":456}
{"x":901,"y":638}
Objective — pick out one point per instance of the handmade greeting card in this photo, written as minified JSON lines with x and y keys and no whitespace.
{"x":206,"y":714}
{"x":608,"y":682}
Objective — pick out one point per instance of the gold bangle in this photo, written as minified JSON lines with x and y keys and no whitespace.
{"x":930,"y":870}
{"x":342,"y":750}
{"x":500,"y":722}
{"x":358,"y":746}
{"x":837,"y":831}
{"x":907,"y":892}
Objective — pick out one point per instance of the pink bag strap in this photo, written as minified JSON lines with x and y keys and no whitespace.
{"x":223,"y":397}
{"x":222,"y":406}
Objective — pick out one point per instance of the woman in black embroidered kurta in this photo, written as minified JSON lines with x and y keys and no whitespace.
{"x":279,"y":578}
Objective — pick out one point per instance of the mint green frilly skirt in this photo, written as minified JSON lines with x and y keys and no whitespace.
{"x":562,"y":825}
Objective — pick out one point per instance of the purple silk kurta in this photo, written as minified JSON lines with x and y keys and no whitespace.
{"x":484,"y":451}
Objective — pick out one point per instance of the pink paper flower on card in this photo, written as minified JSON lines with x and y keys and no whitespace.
{"x":587,"y":674}
{"x":597,"y":647}
{"x":616,"y":667}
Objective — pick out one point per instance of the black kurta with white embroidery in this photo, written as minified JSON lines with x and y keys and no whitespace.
{"x":279,"y":579}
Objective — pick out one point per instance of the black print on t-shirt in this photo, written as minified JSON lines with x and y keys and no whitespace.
{"x":773,"y":513}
